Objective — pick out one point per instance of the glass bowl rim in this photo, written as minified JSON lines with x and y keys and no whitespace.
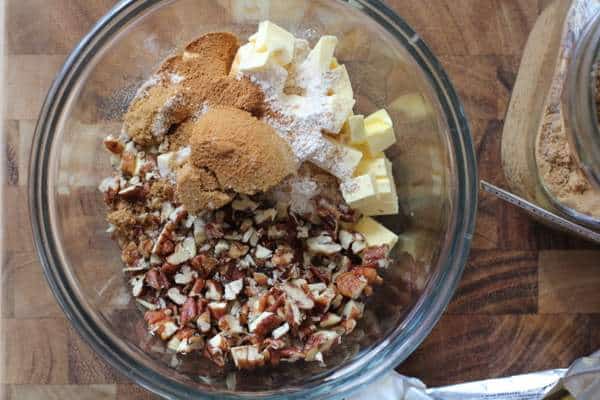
{"x":362,"y":370}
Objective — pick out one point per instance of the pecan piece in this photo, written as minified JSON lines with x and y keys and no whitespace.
{"x":113,"y":145}
{"x":247,"y":357}
{"x":374,"y":256}
{"x":264,"y":323}
{"x":130,"y":254}
{"x":128,"y":163}
{"x":189,"y":311}
{"x":350,"y":285}
{"x":157,"y":279}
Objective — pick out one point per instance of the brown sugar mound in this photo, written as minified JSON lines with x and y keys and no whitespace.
{"x":201,"y":76}
{"x":232,"y":151}
{"x":151,"y":114}
{"x":198,"y":189}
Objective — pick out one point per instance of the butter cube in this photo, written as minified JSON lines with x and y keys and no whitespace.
{"x":248,"y":59}
{"x":378,"y":167}
{"x":376,"y":234}
{"x":387,"y":198}
{"x":380,"y":131}
{"x":349,"y":157}
{"x":321,"y":56}
{"x":386,"y":201}
{"x":359,"y":190}
{"x":355,"y":128}
{"x":276,"y":41}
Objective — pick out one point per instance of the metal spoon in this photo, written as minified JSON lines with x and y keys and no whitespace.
{"x":541,"y":213}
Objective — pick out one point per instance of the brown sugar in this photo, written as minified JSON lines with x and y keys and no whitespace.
{"x":162,"y":190}
{"x":232,"y":151}
{"x":150,"y":115}
{"x":560,"y":171}
{"x":123,"y":219}
{"x":198,"y":189}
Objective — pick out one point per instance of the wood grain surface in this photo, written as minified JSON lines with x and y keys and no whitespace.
{"x":528,"y":299}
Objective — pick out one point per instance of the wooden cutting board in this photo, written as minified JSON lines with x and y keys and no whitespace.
{"x":529,"y":299}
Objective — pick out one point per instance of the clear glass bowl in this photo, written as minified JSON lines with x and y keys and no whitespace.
{"x":433,"y":162}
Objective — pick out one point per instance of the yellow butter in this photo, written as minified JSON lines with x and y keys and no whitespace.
{"x":249,"y":60}
{"x":355,"y":128}
{"x":321,"y":56}
{"x":348,"y":155}
{"x":269,"y":43}
{"x":274,"y":40}
{"x":374,"y":166}
{"x":359,"y":190}
{"x":379,"y":131}
{"x":376,"y":234}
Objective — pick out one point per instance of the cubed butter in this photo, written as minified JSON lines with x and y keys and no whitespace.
{"x":359,"y":190}
{"x":340,"y":97}
{"x":270,"y":43}
{"x":355,"y":128}
{"x":248,"y":59}
{"x":387,"y":198}
{"x":376,"y":234}
{"x":374,"y":166}
{"x":274,"y":40}
{"x":321,"y":56}
{"x":379,"y":131}
{"x":349,"y":156}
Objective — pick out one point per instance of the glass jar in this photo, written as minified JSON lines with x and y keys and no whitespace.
{"x":551,"y":139}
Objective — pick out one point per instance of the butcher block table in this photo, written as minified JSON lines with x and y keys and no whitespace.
{"x":529,"y":299}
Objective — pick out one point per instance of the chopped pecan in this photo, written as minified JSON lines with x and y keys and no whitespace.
{"x":203,"y":321}
{"x":374,"y":256}
{"x":350,"y":285}
{"x":175,"y":295}
{"x":197,"y":287}
{"x":370,"y":275}
{"x":283,"y":256}
{"x":260,"y":278}
{"x":298,"y":295}
{"x":329,"y":319}
{"x":237,"y":250}
{"x":264,"y":323}
{"x":128,"y":163}
{"x":168,"y":269}
{"x":133,"y":193}
{"x":214,"y":291}
{"x":189,"y":311}
{"x":214,"y":231}
{"x":130,"y":253}
{"x":113,"y":145}
{"x":247,"y":357}
{"x":204,"y":264}
{"x":166,"y":248}
{"x":217,"y":309}
{"x":323,"y":244}
{"x":319,"y":342}
{"x":232,"y":289}
{"x":157,"y":279}
{"x":228,"y":323}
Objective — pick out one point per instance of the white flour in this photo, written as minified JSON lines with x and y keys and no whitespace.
{"x":301,"y":119}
